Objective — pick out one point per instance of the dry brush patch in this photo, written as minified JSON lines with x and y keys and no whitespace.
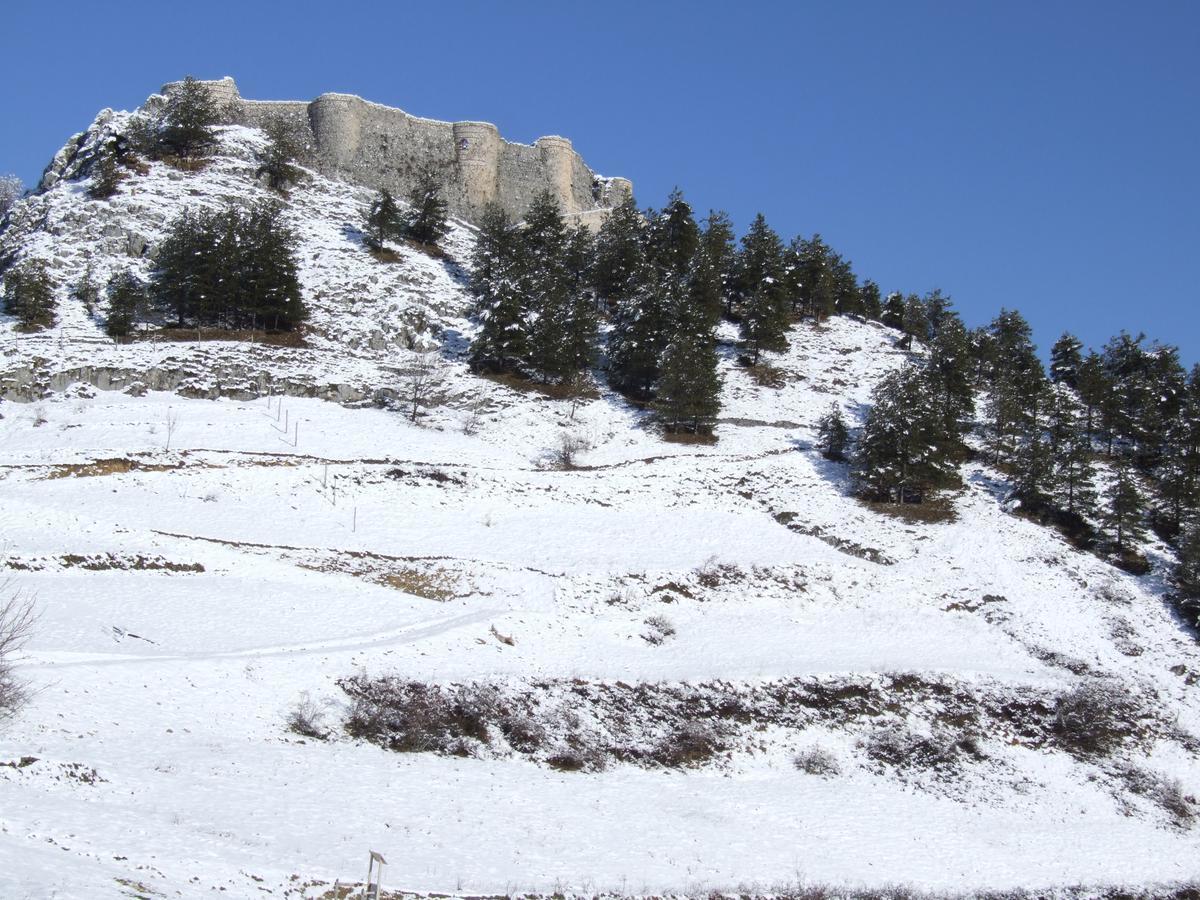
{"x":907,"y":724}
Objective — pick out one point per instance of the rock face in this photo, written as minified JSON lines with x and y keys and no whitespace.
{"x":378,"y":146}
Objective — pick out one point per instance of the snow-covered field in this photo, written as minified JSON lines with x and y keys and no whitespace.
{"x":201,"y":565}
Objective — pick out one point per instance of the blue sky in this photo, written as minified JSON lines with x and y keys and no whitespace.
{"x":1042,"y":156}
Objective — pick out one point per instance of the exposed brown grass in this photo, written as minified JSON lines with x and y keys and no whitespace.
{"x":115,"y":466}
{"x":939,"y":509}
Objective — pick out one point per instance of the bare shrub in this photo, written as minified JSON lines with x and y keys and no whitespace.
{"x":658,"y":629}
{"x":817,"y":761}
{"x":712,"y":574}
{"x":691,"y":744}
{"x":578,"y":759}
{"x":1167,"y":793}
{"x":903,"y":749}
{"x":413,"y":717}
{"x":422,"y":382}
{"x":569,"y":447}
{"x":17,"y":618}
{"x":1094,"y":719}
{"x":307,"y":719}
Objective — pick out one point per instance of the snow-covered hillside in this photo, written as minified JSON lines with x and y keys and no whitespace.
{"x":680,"y":623}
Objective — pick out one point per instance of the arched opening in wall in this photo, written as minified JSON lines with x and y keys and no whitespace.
{"x":463,"y":143}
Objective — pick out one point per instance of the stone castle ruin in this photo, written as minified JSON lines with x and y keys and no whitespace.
{"x":377,"y":146}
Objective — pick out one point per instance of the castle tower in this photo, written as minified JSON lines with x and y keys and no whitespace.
{"x":336,"y":121}
{"x":558,"y":162}
{"x":477,"y":147}
{"x":223,"y":91}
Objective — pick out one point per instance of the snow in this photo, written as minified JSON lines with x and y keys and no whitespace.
{"x":174,"y":683}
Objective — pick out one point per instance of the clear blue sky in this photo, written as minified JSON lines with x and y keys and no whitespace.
{"x":1040,"y":155}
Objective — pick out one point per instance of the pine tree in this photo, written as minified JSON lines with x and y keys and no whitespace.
{"x":29,"y":295}
{"x":1035,"y":477}
{"x":1076,"y":476}
{"x":893,"y":311}
{"x":915,"y":321}
{"x":562,"y":321}
{"x":810,"y":280}
{"x":1124,"y":509}
{"x":761,"y":291}
{"x":1179,"y":470}
{"x":870,"y":300}
{"x":949,"y":372}
{"x":233,"y":267}
{"x":126,"y":301}
{"x":1066,"y":358}
{"x":719,"y":247}
{"x":501,"y":344}
{"x":673,"y":238}
{"x":904,"y":452}
{"x":642,"y":327}
{"x":107,"y":176}
{"x":834,"y":434}
{"x":277,"y":159}
{"x":425,"y":221}
{"x":1093,"y":385}
{"x":689,"y":388}
{"x":189,"y":120}
{"x":1185,"y":577}
{"x":620,"y":253}
{"x":384,"y":221}
{"x":86,"y":290}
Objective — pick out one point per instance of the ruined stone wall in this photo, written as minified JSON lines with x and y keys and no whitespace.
{"x":379,"y":146}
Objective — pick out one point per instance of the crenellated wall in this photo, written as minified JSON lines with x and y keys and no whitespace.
{"x":379,"y":146}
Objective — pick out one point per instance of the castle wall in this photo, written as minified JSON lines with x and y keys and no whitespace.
{"x":382,"y":147}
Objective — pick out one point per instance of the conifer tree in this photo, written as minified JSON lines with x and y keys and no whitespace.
{"x":425,"y":221}
{"x":689,"y":388}
{"x":811,"y":281}
{"x":86,"y":290}
{"x":1066,"y":357}
{"x":1075,"y":475}
{"x":904,"y":452}
{"x":1124,"y":509}
{"x":501,"y":344}
{"x":949,"y":372}
{"x":620,"y":253}
{"x":1092,"y":383}
{"x":126,"y":301}
{"x":562,"y":322}
{"x":384,"y":221}
{"x":277,"y":159}
{"x":673,"y":237}
{"x":189,"y":120}
{"x":719,"y":246}
{"x":1179,"y":470}
{"x":915,"y":321}
{"x":1185,"y":577}
{"x":29,"y":295}
{"x":893,"y":311}
{"x":761,"y":291}
{"x":833,"y":433}
{"x":642,"y":326}
{"x":870,"y":301}
{"x":1035,"y":481}
{"x":106,"y":176}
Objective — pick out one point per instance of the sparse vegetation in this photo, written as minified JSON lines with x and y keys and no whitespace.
{"x":817,"y":761}
{"x":17,"y":620}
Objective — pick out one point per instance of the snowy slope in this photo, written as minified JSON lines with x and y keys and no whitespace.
{"x":190,"y":597}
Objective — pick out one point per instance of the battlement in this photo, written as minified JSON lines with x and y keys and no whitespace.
{"x":378,"y":146}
